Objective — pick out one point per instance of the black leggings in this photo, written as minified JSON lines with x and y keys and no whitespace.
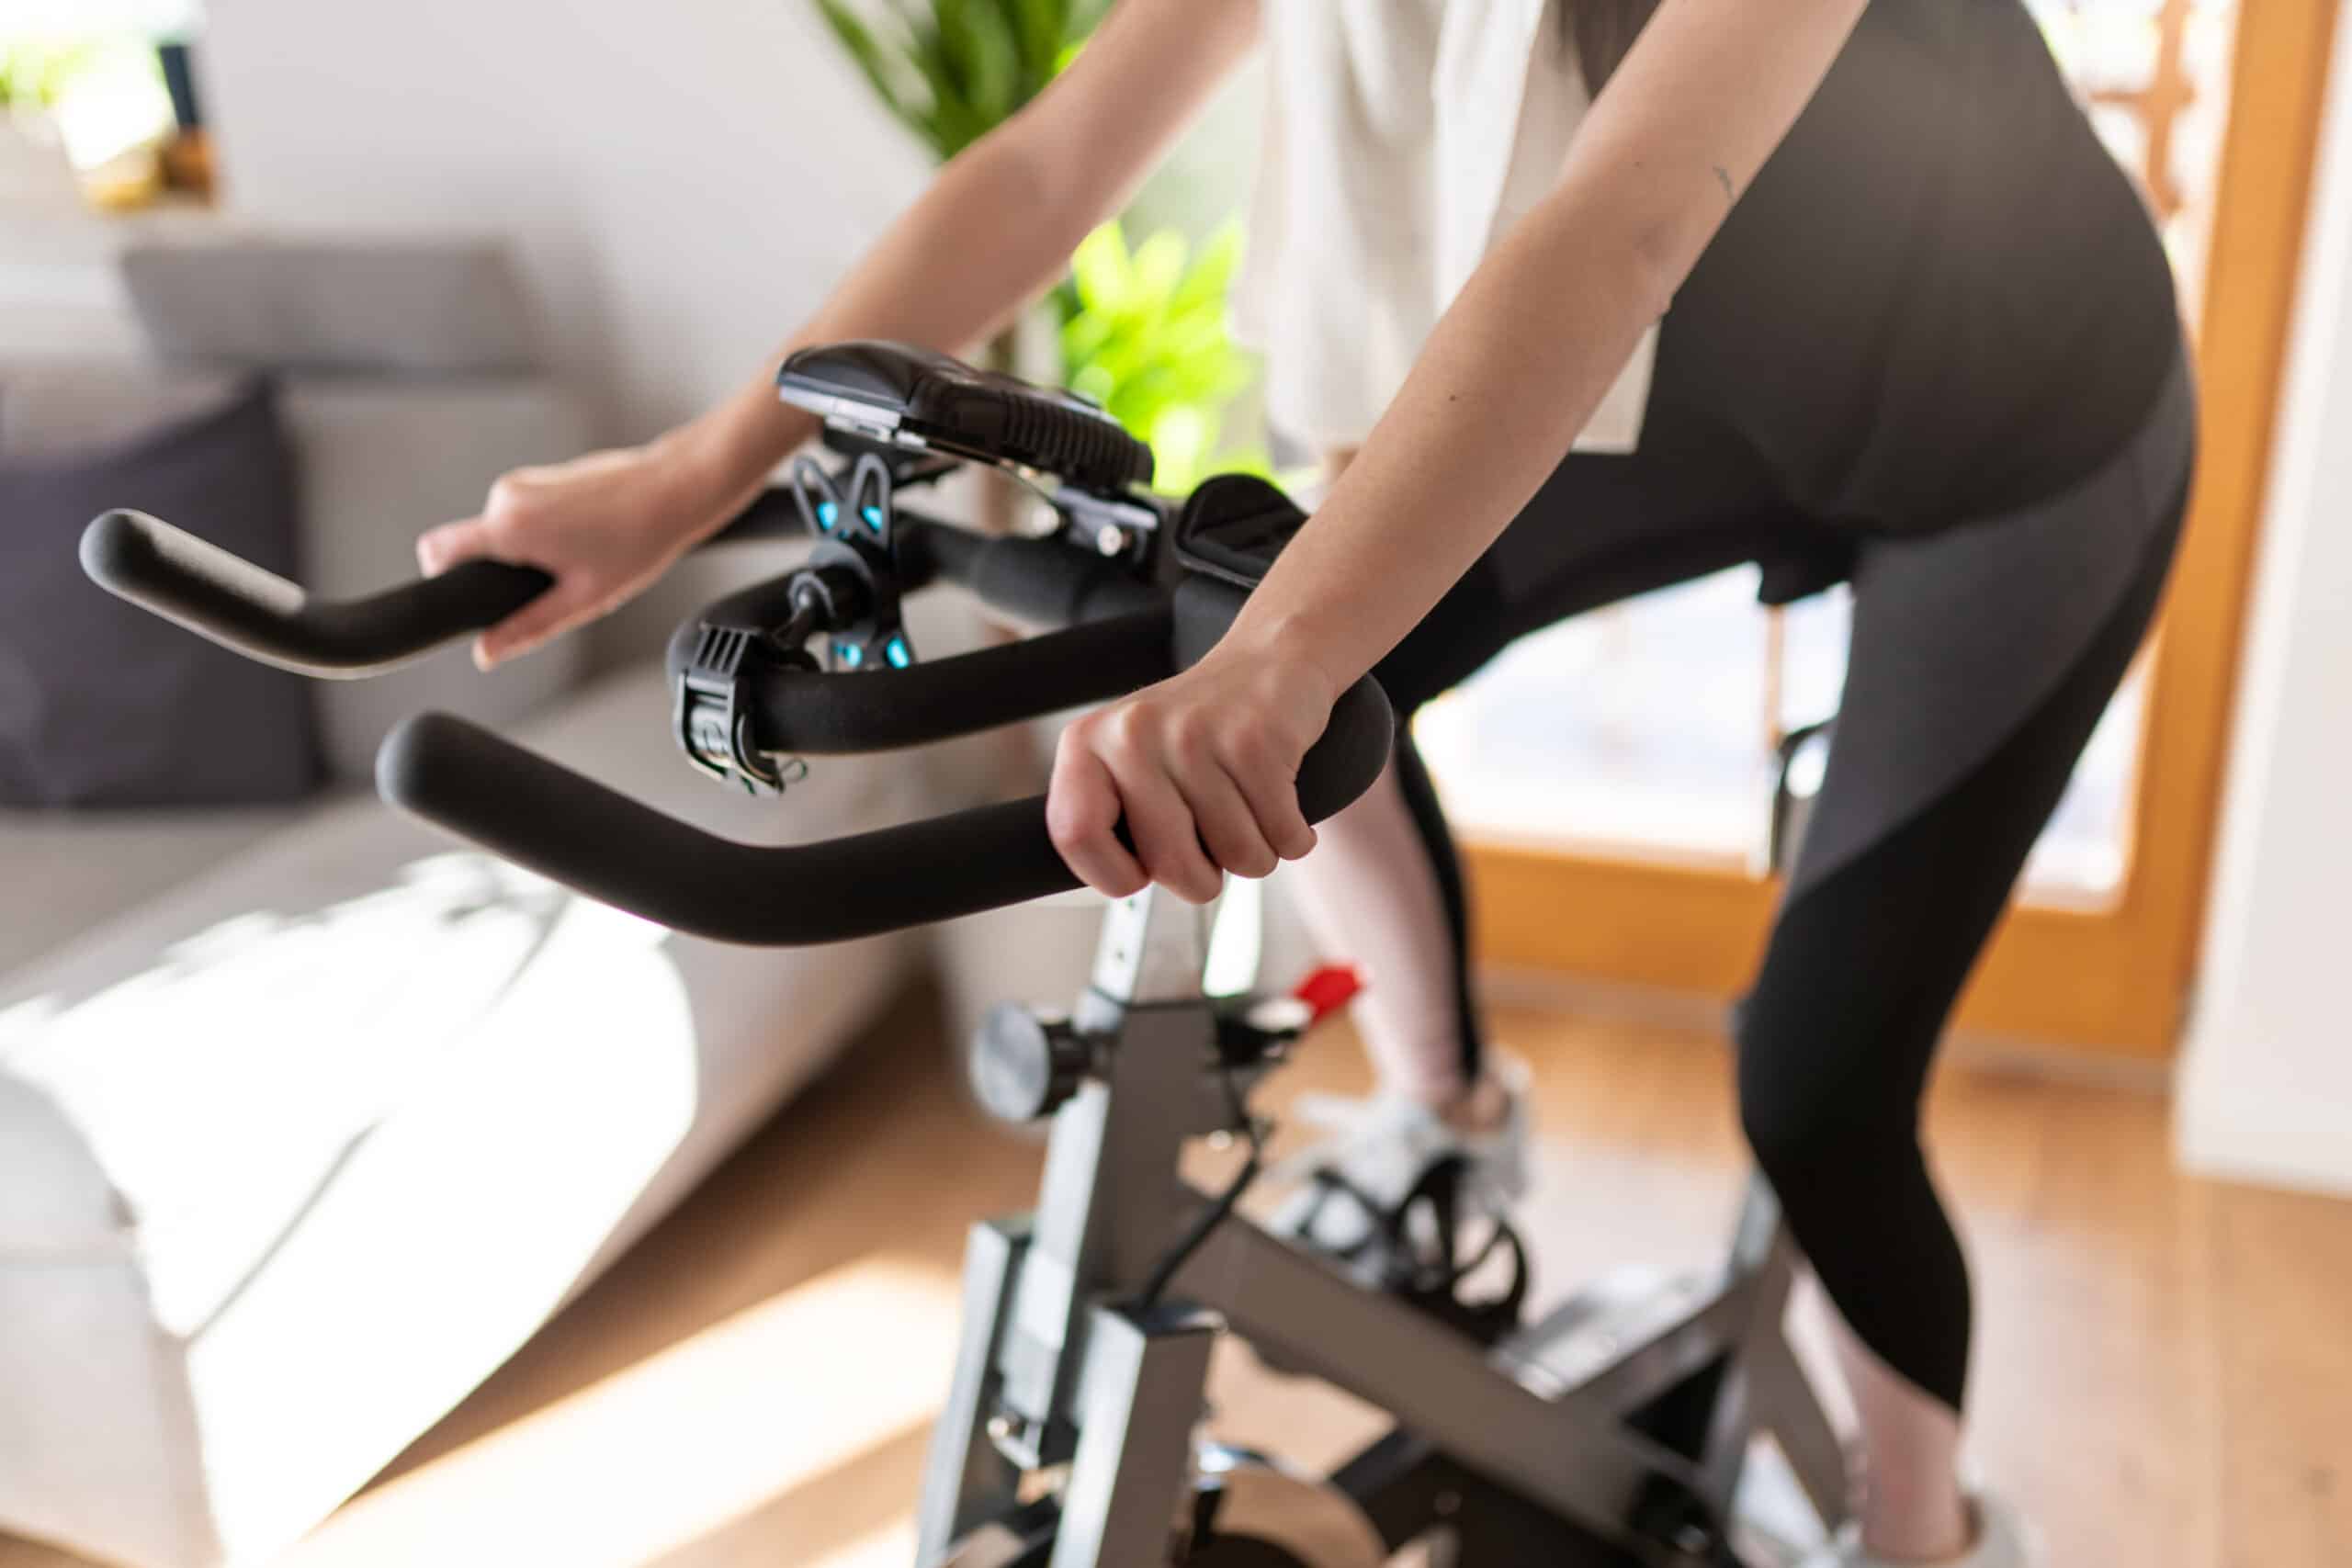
{"x":1982,"y":657}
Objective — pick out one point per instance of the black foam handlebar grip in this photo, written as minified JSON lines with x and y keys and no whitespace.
{"x":262,"y":615}
{"x":1043,"y":581}
{"x":601,"y":843}
{"x":812,"y":713}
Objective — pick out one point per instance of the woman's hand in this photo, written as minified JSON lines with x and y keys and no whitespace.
{"x":603,"y":527}
{"x":1203,"y":768}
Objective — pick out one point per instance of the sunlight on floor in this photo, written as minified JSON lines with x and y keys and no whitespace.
{"x":635,"y":1470}
{"x":891,"y":1548}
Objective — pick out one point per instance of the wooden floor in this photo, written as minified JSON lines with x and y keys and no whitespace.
{"x":2164,"y":1375}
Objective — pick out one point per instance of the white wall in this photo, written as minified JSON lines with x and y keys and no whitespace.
{"x":681,"y":178}
{"x":2266,"y":1089}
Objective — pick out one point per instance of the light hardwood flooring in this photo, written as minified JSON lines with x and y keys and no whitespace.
{"x":2163,"y":1376}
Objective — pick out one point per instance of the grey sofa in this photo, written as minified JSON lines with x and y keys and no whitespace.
{"x":309,"y":1118}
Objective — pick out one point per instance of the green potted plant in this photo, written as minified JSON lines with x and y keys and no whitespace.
{"x":952,"y":71}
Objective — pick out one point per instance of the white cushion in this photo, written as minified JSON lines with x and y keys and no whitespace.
{"x":70,"y":406}
{"x":411,"y":306}
{"x":295,"y":1155}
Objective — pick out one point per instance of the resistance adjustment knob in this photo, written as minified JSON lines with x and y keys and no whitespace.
{"x":1023,"y":1066}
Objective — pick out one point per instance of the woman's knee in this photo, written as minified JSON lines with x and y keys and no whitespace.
{"x":1789,"y":1123}
{"x":1813,"y":1111}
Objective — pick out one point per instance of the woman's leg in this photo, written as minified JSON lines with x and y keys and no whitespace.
{"x":1384,"y":888}
{"x":1908,"y":864}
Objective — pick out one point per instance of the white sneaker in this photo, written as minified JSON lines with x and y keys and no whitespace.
{"x":1379,"y":1150}
{"x":2004,"y":1540}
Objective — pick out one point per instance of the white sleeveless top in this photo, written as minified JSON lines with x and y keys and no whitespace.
{"x":1402,"y":138}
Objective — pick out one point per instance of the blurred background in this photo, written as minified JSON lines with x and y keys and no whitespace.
{"x":308,"y":1127}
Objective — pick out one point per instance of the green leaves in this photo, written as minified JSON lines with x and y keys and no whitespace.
{"x":33,"y":70}
{"x":1144,"y":334}
{"x":952,"y":71}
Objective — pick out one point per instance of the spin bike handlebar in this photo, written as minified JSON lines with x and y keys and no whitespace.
{"x":1119,"y":635}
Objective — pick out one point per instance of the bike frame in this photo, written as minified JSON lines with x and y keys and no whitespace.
{"x":1061,"y":1365}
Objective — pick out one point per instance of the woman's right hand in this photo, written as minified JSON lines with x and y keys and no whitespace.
{"x":604,"y":526}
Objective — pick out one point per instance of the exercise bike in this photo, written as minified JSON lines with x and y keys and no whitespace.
{"x":1612,"y":1431}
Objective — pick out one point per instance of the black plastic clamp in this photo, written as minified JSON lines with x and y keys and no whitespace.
{"x":711,"y":723}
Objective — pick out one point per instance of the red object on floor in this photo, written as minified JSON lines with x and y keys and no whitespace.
{"x":1327,"y":989}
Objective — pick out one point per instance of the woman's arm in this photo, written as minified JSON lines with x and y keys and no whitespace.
{"x":993,"y":230}
{"x":997,"y":227}
{"x":1509,"y":375}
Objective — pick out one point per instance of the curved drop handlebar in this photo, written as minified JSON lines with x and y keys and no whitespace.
{"x":266,"y":618}
{"x":272,"y":621}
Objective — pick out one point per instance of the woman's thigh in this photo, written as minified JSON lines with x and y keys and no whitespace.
{"x":1602,"y":529}
{"x":1982,"y":659}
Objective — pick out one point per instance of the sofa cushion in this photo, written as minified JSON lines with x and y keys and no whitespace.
{"x":377,"y":306}
{"x":70,"y":409}
{"x":102,"y":703}
{"x":282,"y":990}
{"x":293,"y":1157}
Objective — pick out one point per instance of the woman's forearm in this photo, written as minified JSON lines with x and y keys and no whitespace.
{"x":1524,"y":355}
{"x":981,"y":242}
{"x":1496,"y":396}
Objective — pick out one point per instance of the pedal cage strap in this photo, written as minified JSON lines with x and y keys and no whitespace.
{"x":1432,"y":1283}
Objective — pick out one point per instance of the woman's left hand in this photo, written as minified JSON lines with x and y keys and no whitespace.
{"x":1203,"y":767}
